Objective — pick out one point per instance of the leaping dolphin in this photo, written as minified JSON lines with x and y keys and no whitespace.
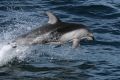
{"x":55,"y":32}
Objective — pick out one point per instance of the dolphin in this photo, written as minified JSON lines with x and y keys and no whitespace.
{"x":55,"y":32}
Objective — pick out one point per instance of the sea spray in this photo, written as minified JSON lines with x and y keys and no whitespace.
{"x":21,"y":52}
{"x":7,"y":53}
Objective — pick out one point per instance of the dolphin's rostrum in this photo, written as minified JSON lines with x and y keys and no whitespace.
{"x":56,"y":32}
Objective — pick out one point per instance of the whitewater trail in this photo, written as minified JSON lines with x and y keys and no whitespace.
{"x":7,"y":53}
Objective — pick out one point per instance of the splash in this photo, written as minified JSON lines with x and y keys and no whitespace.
{"x":7,"y":53}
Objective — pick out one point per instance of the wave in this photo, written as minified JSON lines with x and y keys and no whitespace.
{"x":110,"y":31}
{"x":108,"y":43}
{"x":93,"y":8}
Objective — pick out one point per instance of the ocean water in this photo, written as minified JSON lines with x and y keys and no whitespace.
{"x":99,"y":60}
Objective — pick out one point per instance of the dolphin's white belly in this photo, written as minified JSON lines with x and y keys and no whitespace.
{"x":70,"y":35}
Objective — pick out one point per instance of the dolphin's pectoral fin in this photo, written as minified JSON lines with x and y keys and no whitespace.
{"x":75,"y":43}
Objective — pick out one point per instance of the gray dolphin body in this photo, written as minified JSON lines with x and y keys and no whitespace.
{"x":56,"y":32}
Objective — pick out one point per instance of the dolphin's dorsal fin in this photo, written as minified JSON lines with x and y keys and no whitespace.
{"x":52,"y":18}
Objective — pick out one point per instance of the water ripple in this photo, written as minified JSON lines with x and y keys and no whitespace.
{"x":98,"y":60}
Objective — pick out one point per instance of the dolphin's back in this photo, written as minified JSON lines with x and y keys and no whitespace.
{"x":41,"y":30}
{"x":67,"y":27}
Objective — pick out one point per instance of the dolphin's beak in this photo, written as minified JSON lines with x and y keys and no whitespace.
{"x":91,"y":38}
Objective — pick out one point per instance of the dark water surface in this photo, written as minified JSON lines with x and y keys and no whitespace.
{"x":92,"y":61}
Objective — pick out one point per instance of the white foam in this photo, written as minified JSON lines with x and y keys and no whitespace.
{"x":7,"y":53}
